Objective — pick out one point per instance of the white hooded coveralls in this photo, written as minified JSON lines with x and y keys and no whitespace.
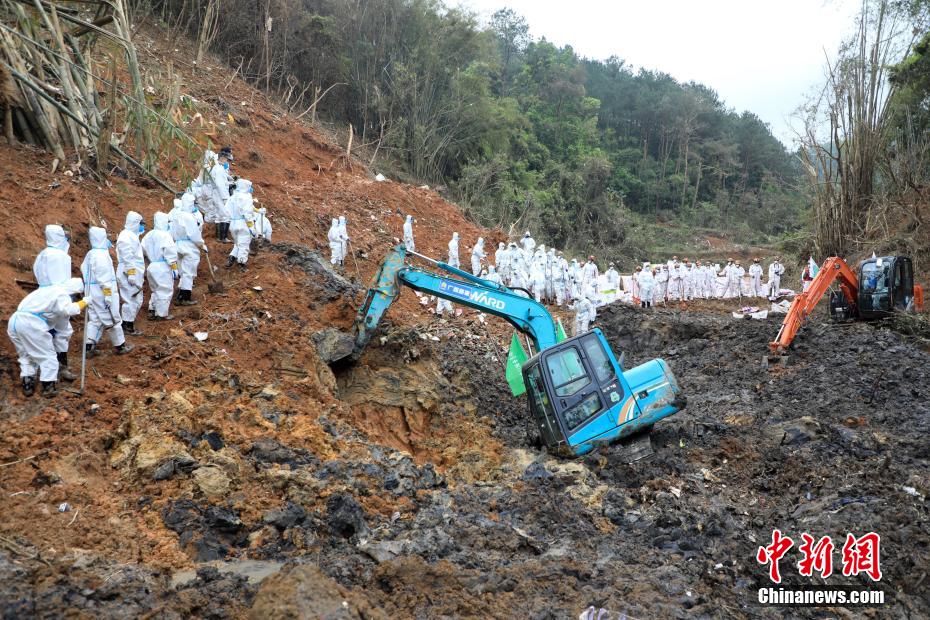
{"x":241,"y":220}
{"x":160,"y":249}
{"x":755,"y":280}
{"x":774,"y":285}
{"x":477,"y":253}
{"x":188,"y":239}
{"x":53,"y":266}
{"x":408,"y":234}
{"x":100,"y":279}
{"x":130,"y":267}
{"x":29,"y":328}
{"x":219,"y":193}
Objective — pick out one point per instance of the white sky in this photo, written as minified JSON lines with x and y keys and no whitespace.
{"x":764,"y":56}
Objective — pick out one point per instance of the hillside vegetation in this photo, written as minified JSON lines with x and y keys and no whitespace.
{"x":521,"y":131}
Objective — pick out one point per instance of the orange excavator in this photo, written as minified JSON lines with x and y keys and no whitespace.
{"x":884,"y":285}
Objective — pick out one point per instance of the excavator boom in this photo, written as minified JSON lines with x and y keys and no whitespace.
{"x":833,"y":270}
{"x":579,"y":395}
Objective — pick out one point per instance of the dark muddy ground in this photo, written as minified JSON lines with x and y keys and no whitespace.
{"x":835,"y":442}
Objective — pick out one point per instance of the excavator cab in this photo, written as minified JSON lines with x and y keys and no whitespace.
{"x":886,"y":285}
{"x":580,"y":396}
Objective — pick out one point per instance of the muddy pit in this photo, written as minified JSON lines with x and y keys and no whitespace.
{"x":440,"y":508}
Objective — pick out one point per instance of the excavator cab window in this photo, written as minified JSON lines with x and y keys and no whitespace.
{"x":541,"y":406}
{"x":903,"y":290}
{"x":874,"y":289}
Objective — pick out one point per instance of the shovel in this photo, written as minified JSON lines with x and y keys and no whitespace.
{"x":215,"y":286}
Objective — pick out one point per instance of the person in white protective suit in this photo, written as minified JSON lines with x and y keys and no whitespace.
{"x":218,"y":183}
{"x":528,"y":244}
{"x":335,"y":245}
{"x":728,"y":290}
{"x":737,"y":274}
{"x":444,"y":304}
{"x":189,"y":241}
{"x":559,"y":274}
{"x":241,"y":223}
{"x":477,"y":255}
{"x":584,"y":308}
{"x":500,"y":256}
{"x":589,"y":274}
{"x":53,"y":266}
{"x":30,"y":331}
{"x":661,"y":289}
{"x":161,"y":250}
{"x":408,"y":234}
{"x":537,"y":280}
{"x":263,"y":228}
{"x":612,"y":277}
{"x":130,"y":271}
{"x":755,"y":278}
{"x":776,"y":269}
{"x":674,"y":282}
{"x":504,"y":262}
{"x":103,"y":311}
{"x":647,"y":284}
{"x":493,"y":275}
{"x":687,"y":280}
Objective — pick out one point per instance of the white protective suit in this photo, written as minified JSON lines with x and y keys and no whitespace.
{"x":161,"y":250}
{"x":335,"y":245}
{"x":477,"y":254}
{"x":559,"y":275}
{"x":774,"y":284}
{"x":203,"y":188}
{"x":53,"y":266}
{"x":219,"y":193}
{"x":454,"y":251}
{"x":130,"y":267}
{"x":500,"y":255}
{"x":29,"y":328}
{"x":529,"y":244}
{"x":584,"y":309}
{"x":408,"y":234}
{"x":755,"y":279}
{"x":589,"y":275}
{"x":538,"y":280}
{"x":661,"y":279}
{"x":613,"y":283}
{"x":100,"y":278}
{"x":189,"y":240}
{"x":263,"y":229}
{"x":241,"y":221}
{"x":647,"y":286}
{"x":493,"y":275}
{"x":674,"y":282}
{"x":344,"y":236}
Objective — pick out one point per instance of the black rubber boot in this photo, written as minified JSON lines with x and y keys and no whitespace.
{"x":49,"y":388}
{"x":123,"y":348}
{"x":129,"y":328}
{"x":29,"y":386}
{"x":230,"y":260}
{"x":91,"y":349}
{"x":63,"y":373}
{"x":219,"y":231}
{"x":184,"y":299}
{"x":152,"y":316}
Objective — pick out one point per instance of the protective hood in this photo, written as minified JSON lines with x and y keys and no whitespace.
{"x":133,"y":220}
{"x":187,"y":202}
{"x":161,"y":221}
{"x":409,"y":218}
{"x":73,"y":286}
{"x":500,"y":246}
{"x":244,"y":186}
{"x":342,"y":220}
{"x":177,"y":204}
{"x":55,"y":237}
{"x":98,"y":238}
{"x":527,"y":234}
{"x":335,"y":223}
{"x":480,"y":243}
{"x":455,"y":236}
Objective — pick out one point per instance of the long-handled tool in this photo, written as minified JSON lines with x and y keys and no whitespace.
{"x":215,"y":286}
{"x":355,"y":260}
{"x":84,"y":342}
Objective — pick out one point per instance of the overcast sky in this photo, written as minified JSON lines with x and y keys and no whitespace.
{"x":759,"y":55}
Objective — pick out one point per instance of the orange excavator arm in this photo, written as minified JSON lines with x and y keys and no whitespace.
{"x":834,"y":269}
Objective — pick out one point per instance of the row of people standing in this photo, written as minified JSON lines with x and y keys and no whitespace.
{"x":674,"y":281}
{"x":112,"y":295}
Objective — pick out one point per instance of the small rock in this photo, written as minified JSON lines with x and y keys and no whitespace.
{"x":268,"y":393}
{"x":212,"y":482}
{"x":123,"y":380}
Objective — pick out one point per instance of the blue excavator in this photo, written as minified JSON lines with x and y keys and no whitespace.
{"x":579,"y":395}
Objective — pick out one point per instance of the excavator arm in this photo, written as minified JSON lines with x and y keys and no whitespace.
{"x":526,"y":315}
{"x":834,"y":270}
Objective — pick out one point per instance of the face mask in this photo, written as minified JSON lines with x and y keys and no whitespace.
{"x":195,"y":210}
{"x":225,"y":165}
{"x":109,"y":244}
{"x":141,"y":228}
{"x":250,"y":189}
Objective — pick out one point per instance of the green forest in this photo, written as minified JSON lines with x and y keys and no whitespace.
{"x":586,"y":153}
{"x":595,"y":154}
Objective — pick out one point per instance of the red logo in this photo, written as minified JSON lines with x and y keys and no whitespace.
{"x":860,"y":555}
